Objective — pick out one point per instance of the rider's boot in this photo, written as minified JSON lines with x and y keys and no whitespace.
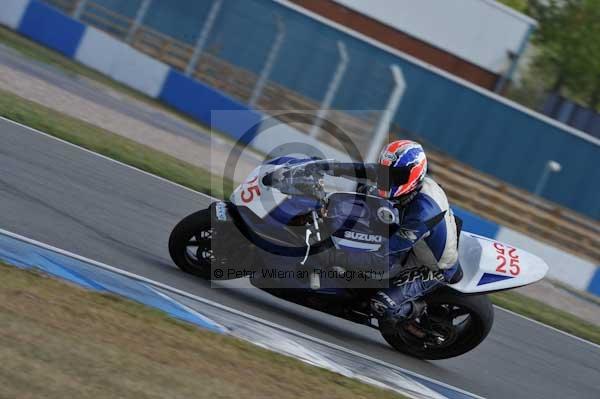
{"x":392,"y":318}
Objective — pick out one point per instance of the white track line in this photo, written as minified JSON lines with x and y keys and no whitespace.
{"x":226,"y":308}
{"x":550,"y":327}
{"x":209,"y":197}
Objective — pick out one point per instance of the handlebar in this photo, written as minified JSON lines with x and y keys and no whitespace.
{"x":303,"y":179}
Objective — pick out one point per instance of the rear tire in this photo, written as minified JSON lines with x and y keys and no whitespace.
{"x":479,"y":324}
{"x":195,"y":226}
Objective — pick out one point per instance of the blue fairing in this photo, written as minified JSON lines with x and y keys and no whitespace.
{"x":289,"y":161}
{"x":357,"y":213}
{"x":296,"y":205}
{"x":293,"y":207}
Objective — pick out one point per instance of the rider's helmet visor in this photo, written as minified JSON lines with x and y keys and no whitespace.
{"x":392,"y":177}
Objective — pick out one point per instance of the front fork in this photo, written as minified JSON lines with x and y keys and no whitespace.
{"x":312,"y":230}
{"x":229,"y":244}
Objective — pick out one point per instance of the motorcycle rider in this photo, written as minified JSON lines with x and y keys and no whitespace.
{"x":401,"y":178}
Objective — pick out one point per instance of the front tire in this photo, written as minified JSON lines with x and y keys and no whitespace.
{"x":190,"y":244}
{"x":448,"y":336}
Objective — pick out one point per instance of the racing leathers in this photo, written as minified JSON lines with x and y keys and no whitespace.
{"x":431,"y":261}
{"x":433,"y":258}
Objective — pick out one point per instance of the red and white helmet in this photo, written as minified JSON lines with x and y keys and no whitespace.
{"x":402,"y":168}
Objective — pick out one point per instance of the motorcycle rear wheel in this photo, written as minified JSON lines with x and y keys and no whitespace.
{"x":454,"y":324}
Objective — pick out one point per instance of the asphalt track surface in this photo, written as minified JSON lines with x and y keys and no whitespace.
{"x":83,"y":203}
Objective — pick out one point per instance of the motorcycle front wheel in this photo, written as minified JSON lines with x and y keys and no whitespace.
{"x":190,"y":244}
{"x":452,"y":325}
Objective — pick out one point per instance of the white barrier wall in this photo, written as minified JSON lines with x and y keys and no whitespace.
{"x":99,"y":50}
{"x":11,"y":12}
{"x":457,"y":26}
{"x":104,"y":53}
{"x":564,"y":267}
{"x":283,"y":140}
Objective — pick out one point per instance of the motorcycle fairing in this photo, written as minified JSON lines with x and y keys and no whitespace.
{"x":255,"y":195}
{"x":489,"y":265}
{"x":353,"y":224}
{"x":268,"y":202}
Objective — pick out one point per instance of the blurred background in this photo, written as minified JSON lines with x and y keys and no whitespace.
{"x":504,"y":95}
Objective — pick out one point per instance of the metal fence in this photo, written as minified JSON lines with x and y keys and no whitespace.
{"x":573,"y":114}
{"x":202,"y":43}
{"x":465,"y":187}
{"x":264,"y":53}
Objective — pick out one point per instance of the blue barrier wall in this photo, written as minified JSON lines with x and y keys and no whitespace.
{"x":475,"y":128}
{"x":594,"y":286}
{"x":181,"y":19}
{"x":51,"y":28}
{"x":199,"y":100}
{"x":573,"y":114}
{"x":476,"y":224}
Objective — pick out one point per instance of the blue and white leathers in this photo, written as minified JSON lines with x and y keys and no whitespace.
{"x":433,"y":259}
{"x":438,"y":249}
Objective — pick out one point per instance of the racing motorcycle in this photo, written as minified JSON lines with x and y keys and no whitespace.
{"x":284,"y":211}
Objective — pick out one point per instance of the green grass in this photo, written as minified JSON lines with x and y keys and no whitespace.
{"x":518,"y":5}
{"x":44,"y":55}
{"x":541,"y":312}
{"x":107,"y":143}
{"x":34,"y":51}
{"x":60,"y":341}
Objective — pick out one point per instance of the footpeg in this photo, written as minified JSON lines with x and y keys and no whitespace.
{"x":315,"y":281}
